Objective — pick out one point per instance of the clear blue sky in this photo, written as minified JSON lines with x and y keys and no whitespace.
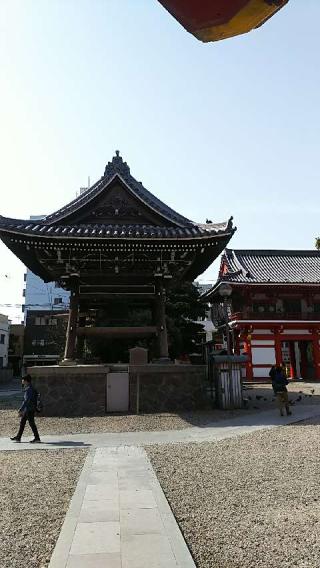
{"x":212,"y":129}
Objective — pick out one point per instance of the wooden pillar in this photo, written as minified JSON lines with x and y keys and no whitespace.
{"x":277,"y":347}
{"x":248,"y":352}
{"x":316,"y":357}
{"x":304,"y":359}
{"x":71,"y":336}
{"x":161,"y":324}
{"x":293,"y":369}
{"x":81,"y":338}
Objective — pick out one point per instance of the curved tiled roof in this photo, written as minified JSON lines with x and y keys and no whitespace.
{"x":119,"y":168}
{"x":273,"y":266}
{"x":36,"y":228}
{"x":141,"y":218}
{"x":174,"y":225}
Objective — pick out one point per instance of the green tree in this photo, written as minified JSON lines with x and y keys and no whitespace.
{"x":183,"y":309}
{"x":318,"y":243}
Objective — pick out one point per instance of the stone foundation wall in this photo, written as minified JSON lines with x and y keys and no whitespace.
{"x":71,"y":391}
{"x":80,"y":390}
{"x":165,"y":388}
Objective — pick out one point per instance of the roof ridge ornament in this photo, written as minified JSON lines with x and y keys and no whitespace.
{"x":117,"y":166}
{"x":230,"y":223}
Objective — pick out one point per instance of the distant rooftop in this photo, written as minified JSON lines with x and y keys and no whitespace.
{"x":247,"y":266}
{"x":278,"y":266}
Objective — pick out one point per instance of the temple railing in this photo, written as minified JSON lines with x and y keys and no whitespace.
{"x":250,"y":315}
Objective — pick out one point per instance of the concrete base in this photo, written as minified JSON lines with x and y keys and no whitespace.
{"x":81,"y":390}
{"x":162,"y":361}
{"x":67,"y":363}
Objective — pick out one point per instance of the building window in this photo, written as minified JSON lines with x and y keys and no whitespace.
{"x":260,"y":308}
{"x":2,"y":336}
{"x":42,"y":320}
{"x":57,"y":301}
{"x":39,"y":342}
{"x":292,"y":306}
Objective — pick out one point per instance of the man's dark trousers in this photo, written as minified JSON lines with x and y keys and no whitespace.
{"x":28,"y":416}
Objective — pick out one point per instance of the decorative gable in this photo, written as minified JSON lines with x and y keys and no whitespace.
{"x":116,"y":204}
{"x":152,"y":210}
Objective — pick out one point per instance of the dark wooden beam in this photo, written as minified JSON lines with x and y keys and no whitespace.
{"x":144,"y":331}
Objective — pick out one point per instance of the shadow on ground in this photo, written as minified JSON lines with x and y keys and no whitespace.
{"x":68,"y":444}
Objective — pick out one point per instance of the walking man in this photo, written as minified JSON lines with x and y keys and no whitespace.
{"x":27,"y":411}
{"x":279,"y":385}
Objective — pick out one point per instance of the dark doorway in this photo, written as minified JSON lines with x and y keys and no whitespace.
{"x":298,"y":359}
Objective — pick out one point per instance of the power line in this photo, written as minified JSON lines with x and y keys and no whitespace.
{"x":32,"y":305}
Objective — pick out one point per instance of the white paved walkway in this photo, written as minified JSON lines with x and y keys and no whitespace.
{"x":119,"y":517}
{"x":215,"y":431}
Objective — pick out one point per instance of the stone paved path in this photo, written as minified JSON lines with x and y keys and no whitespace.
{"x":119,"y":517}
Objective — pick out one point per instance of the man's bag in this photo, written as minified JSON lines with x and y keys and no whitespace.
{"x":39,"y":405}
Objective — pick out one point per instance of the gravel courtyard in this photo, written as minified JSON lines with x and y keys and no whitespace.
{"x":35,"y":490}
{"x":258,"y":398}
{"x":247,"y":502}
{"x":112,"y":423}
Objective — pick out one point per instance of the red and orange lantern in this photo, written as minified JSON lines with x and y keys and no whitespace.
{"x":213,"y":20}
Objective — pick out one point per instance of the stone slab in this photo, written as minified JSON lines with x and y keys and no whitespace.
{"x":96,"y":538}
{"x":137,"y":499}
{"x":109,"y":478}
{"x":141,"y":521}
{"x":94,"y":561}
{"x":101,"y":492}
{"x":99,"y":511}
{"x":147,"y":551}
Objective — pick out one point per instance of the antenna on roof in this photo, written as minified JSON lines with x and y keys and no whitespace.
{"x":83,"y":189}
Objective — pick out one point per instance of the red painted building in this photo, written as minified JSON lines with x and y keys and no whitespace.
{"x":273,"y":311}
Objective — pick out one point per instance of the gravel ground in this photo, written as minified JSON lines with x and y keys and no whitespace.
{"x":252,"y":501}
{"x":35,"y":490}
{"x":259,"y":398}
{"x":113,"y":423}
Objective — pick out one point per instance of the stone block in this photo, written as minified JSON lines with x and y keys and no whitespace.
{"x":138,"y":356}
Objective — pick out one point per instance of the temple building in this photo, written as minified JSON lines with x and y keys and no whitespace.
{"x":273,"y":310}
{"x":115,"y":242}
